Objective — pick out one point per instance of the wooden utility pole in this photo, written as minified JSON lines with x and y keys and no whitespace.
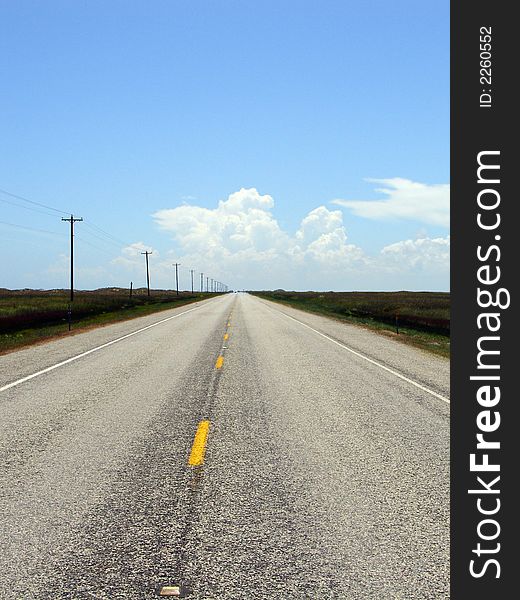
{"x":202,"y":282}
{"x":177,"y":276}
{"x":146,"y":253}
{"x":72,"y":220}
{"x":192,"y":271}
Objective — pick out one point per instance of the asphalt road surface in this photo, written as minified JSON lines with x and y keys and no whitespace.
{"x":234,"y":449}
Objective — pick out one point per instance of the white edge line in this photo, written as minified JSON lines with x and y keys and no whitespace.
{"x":403,"y":377}
{"x":69,"y":360}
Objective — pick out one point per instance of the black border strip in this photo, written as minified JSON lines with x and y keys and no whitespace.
{"x":477,"y":127}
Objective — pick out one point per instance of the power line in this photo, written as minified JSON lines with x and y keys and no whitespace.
{"x":89,"y":223}
{"x":83,"y":241}
{"x":102,"y":239}
{"x":100,"y":234}
{"x":105,"y":233}
{"x":31,"y":228}
{"x":36,"y":210}
{"x":33,"y":202}
{"x":26,"y":242}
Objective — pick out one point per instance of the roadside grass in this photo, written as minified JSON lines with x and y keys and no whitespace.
{"x":420,"y":319}
{"x":32,"y":316}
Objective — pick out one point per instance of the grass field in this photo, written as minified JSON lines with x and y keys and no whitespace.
{"x":29,"y":316}
{"x":418,"y":318}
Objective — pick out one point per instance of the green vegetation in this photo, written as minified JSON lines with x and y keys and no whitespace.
{"x":418,"y":318}
{"x":29,"y":316}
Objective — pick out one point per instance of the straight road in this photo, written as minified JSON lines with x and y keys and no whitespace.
{"x":234,"y":449}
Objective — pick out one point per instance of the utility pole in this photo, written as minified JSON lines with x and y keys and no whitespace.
{"x":207,"y":284}
{"x":72,"y":220}
{"x":177,"y":276}
{"x":212,"y":285}
{"x":192,"y":271}
{"x":146,"y":253}
{"x":202,"y":282}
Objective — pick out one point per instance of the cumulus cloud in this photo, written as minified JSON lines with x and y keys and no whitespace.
{"x":241,"y":224}
{"x":243,"y":227}
{"x":421,"y":253}
{"x":406,"y":199}
{"x":241,"y":241}
{"x":58,"y":273}
{"x":322,"y":236}
{"x":130,"y":258}
{"x":60,"y":266}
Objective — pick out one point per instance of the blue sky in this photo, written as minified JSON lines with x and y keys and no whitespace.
{"x":143,"y":116}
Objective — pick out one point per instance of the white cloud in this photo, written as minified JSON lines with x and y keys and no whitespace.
{"x":242,"y":232}
{"x":322,"y":237}
{"x":241,"y":224}
{"x":84,"y":276}
{"x":406,"y":199}
{"x":419,"y":254}
{"x":132,"y":264}
{"x":131,"y":255}
{"x":137,"y":248}
{"x":240,"y":241}
{"x":61,"y":266}
{"x":319,"y":222}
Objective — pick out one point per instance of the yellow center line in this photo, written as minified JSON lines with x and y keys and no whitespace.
{"x":229,"y":324}
{"x":199,"y":445}
{"x":226,"y":336}
{"x":170,"y":590}
{"x":220,"y":362}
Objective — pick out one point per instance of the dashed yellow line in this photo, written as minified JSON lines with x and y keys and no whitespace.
{"x":229,"y":324}
{"x":220,"y":362}
{"x":170,"y":590}
{"x":199,"y":445}
{"x":226,"y":336}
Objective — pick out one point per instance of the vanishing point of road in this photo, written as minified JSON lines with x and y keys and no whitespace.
{"x":232,"y":449}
